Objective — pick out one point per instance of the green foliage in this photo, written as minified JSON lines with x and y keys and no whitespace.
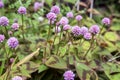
{"x":37,"y":58}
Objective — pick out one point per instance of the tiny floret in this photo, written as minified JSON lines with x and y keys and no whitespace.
{"x":2,"y":38}
{"x":84,"y":30}
{"x":55,"y":9}
{"x":94,"y":29}
{"x":63,"y":21}
{"x":79,"y":17}
{"x":69,"y":75}
{"x":1,"y":4}
{"x":66,"y":27}
{"x":4,"y":21}
{"x":37,"y":6}
{"x":87,"y":36}
{"x":70,"y":15}
{"x":76,"y":31}
{"x":22,"y":10}
{"x":12,"y":42}
{"x":17,"y":78}
{"x":15,"y":26}
{"x":106,"y":21}
{"x":51,"y":16}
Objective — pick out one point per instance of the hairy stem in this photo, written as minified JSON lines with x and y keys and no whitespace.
{"x":23,"y":28}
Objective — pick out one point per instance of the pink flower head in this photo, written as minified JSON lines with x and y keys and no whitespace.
{"x":17,"y":78}
{"x":87,"y":36}
{"x":78,"y":17}
{"x":51,"y":16}
{"x":2,"y":38}
{"x":37,"y":5}
{"x":15,"y":26}
{"x":84,"y":30}
{"x":106,"y":21}
{"x":22,"y":10}
{"x":63,"y":21}
{"x":4,"y":21}
{"x":94,"y":29}
{"x":12,"y":42}
{"x":70,"y":15}
{"x":55,"y":9}
{"x":76,"y":31}
{"x":69,"y":75}
{"x":1,"y":4}
{"x":66,"y":27}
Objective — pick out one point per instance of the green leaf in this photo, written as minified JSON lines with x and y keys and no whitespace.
{"x":56,"y":62}
{"x":112,"y":70}
{"x":82,"y":71}
{"x":62,"y":51}
{"x":42,"y":68}
{"x":70,"y":1}
{"x":111,"y":36}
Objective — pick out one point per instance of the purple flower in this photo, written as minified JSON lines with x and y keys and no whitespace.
{"x":55,"y":9}
{"x":66,"y":27}
{"x":4,"y":21}
{"x":84,"y":30}
{"x":94,"y":29}
{"x":12,"y":60}
{"x":51,"y":16}
{"x":57,"y":29}
{"x":1,"y":4}
{"x":106,"y":21}
{"x":57,"y":24}
{"x":69,"y":75}
{"x":17,"y":78}
{"x":12,"y":42}
{"x":87,"y":36}
{"x":10,"y":32}
{"x":70,"y":15}
{"x":78,"y":17}
{"x":76,"y":31}
{"x":63,"y":21}
{"x":37,"y":5}
{"x":15,"y":26}
{"x":2,"y":37}
{"x":22,"y":10}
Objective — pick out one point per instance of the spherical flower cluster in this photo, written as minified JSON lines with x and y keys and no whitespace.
{"x":2,"y":37}
{"x":37,"y":5}
{"x":55,"y":9}
{"x":70,"y":15}
{"x":12,"y":60}
{"x":106,"y":21}
{"x":57,"y":24}
{"x":17,"y":78}
{"x":66,"y":27}
{"x":88,"y":36}
{"x":12,"y":42}
{"x":94,"y":29}
{"x":84,"y":30}
{"x":22,"y":10}
{"x":69,"y":75}
{"x":15,"y":26}
{"x":63,"y":21}
{"x":78,"y":17}
{"x":4,"y":21}
{"x":57,"y":29}
{"x":1,"y":4}
{"x":51,"y":16}
{"x":76,"y":31}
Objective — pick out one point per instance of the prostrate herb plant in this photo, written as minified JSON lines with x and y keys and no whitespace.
{"x":43,"y":42}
